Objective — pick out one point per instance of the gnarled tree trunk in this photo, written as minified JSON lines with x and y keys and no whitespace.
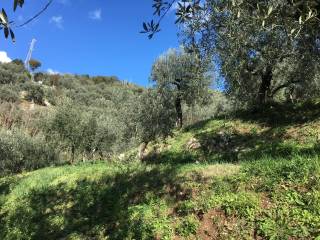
{"x":142,"y":149}
{"x":179,"y":112}
{"x":266,"y":79}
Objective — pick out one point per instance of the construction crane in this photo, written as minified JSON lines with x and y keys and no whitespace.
{"x":29,"y":56}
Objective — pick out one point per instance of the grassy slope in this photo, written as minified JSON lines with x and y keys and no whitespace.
{"x":256,"y":178}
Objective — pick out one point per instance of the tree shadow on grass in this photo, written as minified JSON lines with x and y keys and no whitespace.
{"x":277,"y":115}
{"x":233,"y":146}
{"x":272,"y":115}
{"x":56,"y":211}
{"x":171,"y":158}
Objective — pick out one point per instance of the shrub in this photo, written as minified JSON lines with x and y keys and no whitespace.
{"x":8,"y":94}
{"x":149,"y":221}
{"x":11,"y":73}
{"x":10,"y":115}
{"x":51,"y":95}
{"x":156,"y":116}
{"x":39,"y":77}
{"x":34,"y":93}
{"x":188,"y":226}
{"x":19,"y":152}
{"x":78,"y":132}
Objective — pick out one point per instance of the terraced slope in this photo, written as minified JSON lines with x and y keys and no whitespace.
{"x":232,"y":178}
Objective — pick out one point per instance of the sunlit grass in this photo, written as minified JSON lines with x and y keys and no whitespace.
{"x":269,"y":187}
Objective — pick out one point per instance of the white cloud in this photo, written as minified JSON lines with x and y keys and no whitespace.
{"x":4,"y":57}
{"x":52,"y":72}
{"x":96,"y":14}
{"x":57,"y":20}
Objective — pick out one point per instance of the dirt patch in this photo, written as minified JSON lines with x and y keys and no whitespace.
{"x":247,"y":128}
{"x":30,"y":106}
{"x":265,"y":201}
{"x":303,"y":132}
{"x":209,"y":228}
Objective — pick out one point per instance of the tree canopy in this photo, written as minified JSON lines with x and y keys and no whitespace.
{"x":252,"y":43}
{"x":182,"y":75}
{"x":34,"y":64}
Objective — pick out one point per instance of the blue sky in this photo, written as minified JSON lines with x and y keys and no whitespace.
{"x":95,"y":37}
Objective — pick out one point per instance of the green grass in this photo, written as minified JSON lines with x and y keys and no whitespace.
{"x":262,"y":182}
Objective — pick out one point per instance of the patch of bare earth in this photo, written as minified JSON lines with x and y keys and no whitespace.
{"x":265,"y":201}
{"x":216,"y":226}
{"x":209,"y":228}
{"x":303,"y":132}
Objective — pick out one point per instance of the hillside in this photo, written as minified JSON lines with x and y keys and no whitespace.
{"x":250,"y":176}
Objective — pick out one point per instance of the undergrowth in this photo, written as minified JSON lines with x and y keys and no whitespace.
{"x":245,"y":180}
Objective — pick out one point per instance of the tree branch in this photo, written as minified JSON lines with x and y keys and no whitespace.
{"x":36,"y":15}
{"x":282,"y":86}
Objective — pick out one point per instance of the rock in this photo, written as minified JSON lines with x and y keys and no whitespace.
{"x":46,"y":103}
{"x":193,"y":144}
{"x":122,"y":157}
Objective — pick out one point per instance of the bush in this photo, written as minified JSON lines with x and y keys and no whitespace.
{"x":78,"y":132}
{"x":11,"y":73}
{"x":34,"y":93}
{"x":8,"y":94}
{"x":19,"y":152}
{"x":188,"y":226}
{"x":156,"y":115}
{"x":149,"y":221}
{"x":51,"y":95}
{"x":10,"y":115}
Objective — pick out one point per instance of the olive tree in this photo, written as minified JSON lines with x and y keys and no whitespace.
{"x":155,"y":117}
{"x":74,"y":130}
{"x":297,"y":17}
{"x":250,"y":40}
{"x":181,"y":74}
{"x":251,"y":54}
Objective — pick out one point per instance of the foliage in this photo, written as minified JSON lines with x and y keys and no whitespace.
{"x":180,"y":74}
{"x":188,"y":226}
{"x":217,"y":104}
{"x":264,"y":50}
{"x":107,"y":101}
{"x":184,"y":12}
{"x":12,"y":73}
{"x":21,"y":152}
{"x":77,"y":131}
{"x":8,"y":94}
{"x":34,"y":64}
{"x":6,"y":24}
{"x":35,"y":92}
{"x":156,"y":116}
{"x":296,"y":17}
{"x":273,"y":195}
{"x":67,"y":125}
{"x":150,"y":220}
